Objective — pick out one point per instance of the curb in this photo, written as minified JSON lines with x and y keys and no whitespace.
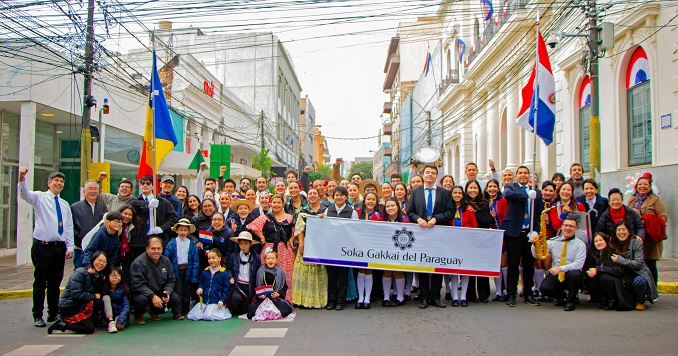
{"x":667,"y":287}
{"x":17,"y":294}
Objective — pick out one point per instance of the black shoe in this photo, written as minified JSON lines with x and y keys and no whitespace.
{"x":559,"y":303}
{"x":358,"y":305}
{"x":531,"y":301}
{"x":415,"y":289}
{"x":57,"y":325}
{"x":448,"y":296}
{"x":511,"y":302}
{"x":367,"y":305}
{"x":504,"y":298}
{"x":339,"y":307}
{"x":423,"y":304}
{"x":437,"y":303}
{"x":330,"y":306}
{"x":416,"y":297}
{"x":610,"y":305}
{"x":546,"y":299}
{"x":576,"y":300}
{"x":51,"y":318}
{"x":407,"y":298}
{"x":483,"y":300}
{"x":386,"y":303}
{"x":455,"y":303}
{"x":569,"y":307}
{"x":497,"y":298}
{"x":463,"y":303}
{"x":39,"y":323}
{"x":536,"y":293}
{"x":398,"y":303}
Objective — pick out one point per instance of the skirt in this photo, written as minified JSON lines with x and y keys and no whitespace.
{"x":285,"y":261}
{"x":351,"y":288}
{"x":210,"y":312}
{"x":310,"y":284}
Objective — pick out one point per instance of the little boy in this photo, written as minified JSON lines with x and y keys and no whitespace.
{"x":243,"y":266}
{"x":183,"y":254}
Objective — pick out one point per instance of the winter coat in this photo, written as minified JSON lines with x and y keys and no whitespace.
{"x":215,"y":287}
{"x":80,"y":290}
{"x":201,"y":222}
{"x":104,"y":242}
{"x":221,"y":241}
{"x":606,"y":225}
{"x":634,"y":264}
{"x":193,"y":268}
{"x":120,"y":304}
{"x":654,"y":206}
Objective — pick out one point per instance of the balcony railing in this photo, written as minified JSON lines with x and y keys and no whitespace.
{"x":493,"y":27}
{"x":451,"y":78}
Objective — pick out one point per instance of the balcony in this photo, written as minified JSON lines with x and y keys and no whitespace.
{"x":451,"y":78}
{"x":391,"y":70}
{"x":388,"y":151}
{"x":387,"y":107}
{"x":387,"y":129}
{"x":494,"y":26}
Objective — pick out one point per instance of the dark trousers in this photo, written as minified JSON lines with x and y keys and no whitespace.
{"x":185,"y":289}
{"x":603,"y":285}
{"x":652,"y":265}
{"x":48,"y":260}
{"x":140,"y":302}
{"x":482,"y":285}
{"x":337,"y":284}
{"x":430,"y":285}
{"x":518,"y":247}
{"x":240,"y":299}
{"x":552,"y":287}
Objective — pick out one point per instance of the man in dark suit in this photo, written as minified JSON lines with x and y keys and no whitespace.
{"x":516,"y":227}
{"x":430,"y":205}
{"x":160,"y":216}
{"x":87,"y":213}
{"x":593,"y":201}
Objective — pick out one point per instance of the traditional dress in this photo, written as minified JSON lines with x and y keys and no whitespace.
{"x":310,"y":280}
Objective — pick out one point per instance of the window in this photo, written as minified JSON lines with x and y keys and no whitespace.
{"x":584,"y":124}
{"x":639,"y":113}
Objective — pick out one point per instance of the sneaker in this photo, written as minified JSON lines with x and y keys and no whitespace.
{"x":640,"y":306}
{"x":111,"y":327}
{"x":531,"y":301}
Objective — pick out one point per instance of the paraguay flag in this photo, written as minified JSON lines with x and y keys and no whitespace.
{"x":545,"y":90}
{"x":488,"y":10}
{"x":461,"y":48}
{"x":158,"y":123}
{"x":427,"y":65}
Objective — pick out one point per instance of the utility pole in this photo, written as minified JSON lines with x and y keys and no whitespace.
{"x":88,"y":100}
{"x":428,"y":122}
{"x":594,"y":124}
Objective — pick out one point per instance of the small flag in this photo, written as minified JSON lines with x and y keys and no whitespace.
{"x":263,"y":290}
{"x":461,"y":48}
{"x":488,"y":10}
{"x":197,"y":160}
{"x":205,"y":237}
{"x":427,"y":65}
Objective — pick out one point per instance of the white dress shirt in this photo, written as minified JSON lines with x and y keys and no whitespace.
{"x":182,"y":250}
{"x":46,"y":220}
{"x":433,"y":198}
{"x":244,"y":271}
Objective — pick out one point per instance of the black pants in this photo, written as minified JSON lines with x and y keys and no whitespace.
{"x":48,"y":260}
{"x":240,"y":299}
{"x":652,"y":265}
{"x":87,"y":326}
{"x":140,"y":302}
{"x":337,"y":284}
{"x":552,"y":287}
{"x":518,"y":247}
{"x":482,"y":285}
{"x":603,"y":285}
{"x":430,"y":285}
{"x":185,"y":289}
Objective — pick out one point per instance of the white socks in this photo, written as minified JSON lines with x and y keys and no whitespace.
{"x":538,"y":278}
{"x":368,"y":287}
{"x":386,"y":285}
{"x":464,"y":286}
{"x":497,"y":285}
{"x":360,"y":282}
{"x":504,"y":275}
{"x":400,"y":287}
{"x":454,"y":280}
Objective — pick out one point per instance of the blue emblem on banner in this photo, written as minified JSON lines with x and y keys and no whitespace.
{"x":403,"y":238}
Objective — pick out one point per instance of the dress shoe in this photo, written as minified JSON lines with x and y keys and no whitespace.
{"x":367,"y":306}
{"x":504,"y":298}
{"x":511,"y":302}
{"x":609,"y":305}
{"x":531,"y":301}
{"x":423,"y":304}
{"x":536,"y":293}
{"x":438,"y":304}
{"x":483,"y":300}
{"x":178,"y":316}
{"x":448,"y":296}
{"x":455,"y":303}
{"x":640,"y":306}
{"x":497,"y":298}
{"x":152,"y":315}
{"x":386,"y":303}
{"x":407,"y":298}
{"x":39,"y":323}
{"x":51,"y":318}
{"x":463,"y":303}
{"x":569,"y":307}
{"x":339,"y":307}
{"x":359,"y":305}
{"x":559,"y":303}
{"x":139,"y":318}
{"x":415,"y":289}
{"x":399,"y":303}
{"x":57,"y":325}
{"x":330,"y":306}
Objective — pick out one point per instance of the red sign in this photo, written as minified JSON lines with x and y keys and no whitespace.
{"x":205,"y":153}
{"x":209,"y":88}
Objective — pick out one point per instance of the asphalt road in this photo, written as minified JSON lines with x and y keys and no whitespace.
{"x":490,"y":329}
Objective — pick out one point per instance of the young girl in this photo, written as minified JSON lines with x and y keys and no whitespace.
{"x":498,"y":209}
{"x":394,"y":214}
{"x":400,"y":192}
{"x":118,"y":297}
{"x":368,"y":210}
{"x":214,"y":289}
{"x":270,"y":274}
{"x":603,"y":276}
{"x":463,"y":217}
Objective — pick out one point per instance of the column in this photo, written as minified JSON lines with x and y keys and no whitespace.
{"x":24,"y":233}
{"x":493,"y":131}
{"x":481,"y":134}
{"x":512,"y":130}
{"x":529,"y":154}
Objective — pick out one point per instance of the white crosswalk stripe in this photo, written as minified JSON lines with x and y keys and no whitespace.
{"x":266,"y":332}
{"x":34,"y":350}
{"x":255,"y":350}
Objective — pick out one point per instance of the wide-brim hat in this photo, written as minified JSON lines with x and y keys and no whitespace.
{"x":239,"y":202}
{"x":184,"y":222}
{"x":244,"y":235}
{"x":367,"y":182}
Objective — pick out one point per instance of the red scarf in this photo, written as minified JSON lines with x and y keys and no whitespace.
{"x":124,"y":242}
{"x":618,"y":214}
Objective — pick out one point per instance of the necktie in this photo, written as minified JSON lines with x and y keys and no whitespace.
{"x":148,"y":219}
{"x":526,"y":219}
{"x":60,"y":228}
{"x":429,"y":203}
{"x":563,"y":261}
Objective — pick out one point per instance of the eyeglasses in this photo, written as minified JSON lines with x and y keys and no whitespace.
{"x":117,"y":222}
{"x":146,"y":183}
{"x":116,"y":276}
{"x":570,"y":226}
{"x":217,"y":219}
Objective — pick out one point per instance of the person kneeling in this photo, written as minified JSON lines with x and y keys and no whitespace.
{"x":243,"y":266}
{"x":271,"y":286}
{"x":214,"y":290}
{"x":570,"y":253}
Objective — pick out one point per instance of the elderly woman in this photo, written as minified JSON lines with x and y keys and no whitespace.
{"x":628,"y":253}
{"x":616,"y":212}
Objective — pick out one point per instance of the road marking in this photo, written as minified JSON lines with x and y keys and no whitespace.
{"x":253,"y":351}
{"x":266,"y":332}
{"x":284,"y":320}
{"x":34,"y":350}
{"x":66,"y":335}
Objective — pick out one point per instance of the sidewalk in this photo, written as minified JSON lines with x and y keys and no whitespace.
{"x":17,"y":281}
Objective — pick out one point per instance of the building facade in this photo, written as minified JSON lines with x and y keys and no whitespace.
{"x":306,"y":133}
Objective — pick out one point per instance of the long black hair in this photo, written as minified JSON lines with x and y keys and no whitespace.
{"x":136,"y":220}
{"x":476,"y":202}
{"x":486,"y":195}
{"x":377,"y":208}
{"x":123,"y":282}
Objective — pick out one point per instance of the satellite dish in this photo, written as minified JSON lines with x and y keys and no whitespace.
{"x":427,"y":154}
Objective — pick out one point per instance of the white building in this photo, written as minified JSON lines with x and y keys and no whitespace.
{"x":306,"y":132}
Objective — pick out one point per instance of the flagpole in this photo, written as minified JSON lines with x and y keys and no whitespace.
{"x":534,"y":127}
{"x":153,"y":99}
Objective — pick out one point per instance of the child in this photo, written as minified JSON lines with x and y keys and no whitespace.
{"x":118,"y":298}
{"x":214,"y":289}
{"x":270,"y":274}
{"x":243,"y":266}
{"x":393,"y":214}
{"x":183,"y":253}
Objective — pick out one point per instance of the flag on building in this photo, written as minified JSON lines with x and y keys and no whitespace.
{"x":488,"y":10}
{"x":427,"y":65}
{"x":544,"y":89}
{"x":158,"y":124}
{"x":461,"y":48}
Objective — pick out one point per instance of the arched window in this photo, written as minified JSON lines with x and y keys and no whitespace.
{"x":639,"y":109}
{"x":584,"y":120}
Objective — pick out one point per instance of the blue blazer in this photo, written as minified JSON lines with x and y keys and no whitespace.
{"x":516,"y":198}
{"x":193,"y":269}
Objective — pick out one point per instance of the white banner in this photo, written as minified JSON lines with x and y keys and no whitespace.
{"x":403,"y":247}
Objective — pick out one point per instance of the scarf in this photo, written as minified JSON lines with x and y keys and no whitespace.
{"x":617,"y":214}
{"x":279,"y":277}
{"x":124,"y":242}
{"x":640,"y":199}
{"x":248,"y":260}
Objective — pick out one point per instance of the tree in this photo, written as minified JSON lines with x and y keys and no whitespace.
{"x":364,"y":168}
{"x":323,"y":172}
{"x":262,"y":162}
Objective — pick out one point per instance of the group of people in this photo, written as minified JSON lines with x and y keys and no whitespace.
{"x":234,"y":249}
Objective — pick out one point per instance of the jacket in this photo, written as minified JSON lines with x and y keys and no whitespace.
{"x":634,"y":264}
{"x":468,"y":219}
{"x":221,"y":241}
{"x":215,"y":287}
{"x":443,"y":210}
{"x":654,"y":206}
{"x":149,"y":279}
{"x":599,"y":206}
{"x":104,"y":242}
{"x":556,"y":219}
{"x":233,"y":266}
{"x":84,"y":220}
{"x":120,"y":304}
{"x":176,"y":203}
{"x":114,"y":201}
{"x":79,"y":291}
{"x":483,"y":218}
{"x":165,"y":217}
{"x":515,"y":214}
{"x":606,"y":225}
{"x":193,"y":267}
{"x":201,"y":222}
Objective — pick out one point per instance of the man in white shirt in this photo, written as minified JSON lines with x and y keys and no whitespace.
{"x":471,"y":172}
{"x":52,"y":242}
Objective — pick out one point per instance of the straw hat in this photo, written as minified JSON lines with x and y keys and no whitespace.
{"x":367,"y":182}
{"x":244,"y":235}
{"x":239,"y":202}
{"x":184,"y":222}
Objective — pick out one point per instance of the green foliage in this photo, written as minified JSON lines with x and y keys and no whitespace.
{"x":364,"y":168}
{"x":262,"y":162}
{"x":323,"y":172}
